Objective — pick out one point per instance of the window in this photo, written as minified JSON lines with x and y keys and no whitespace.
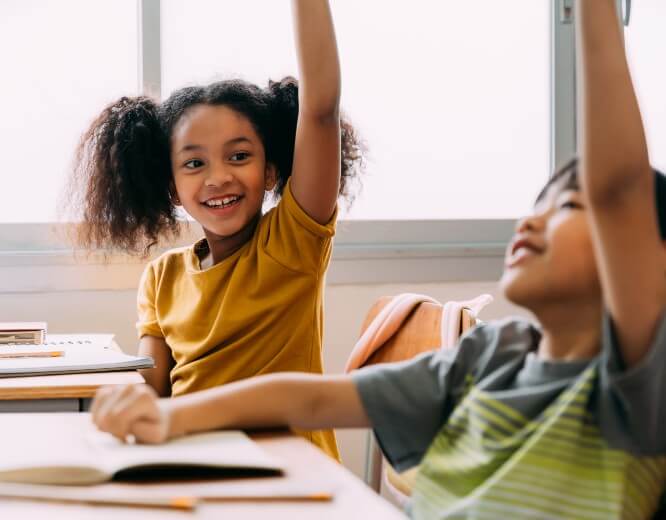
{"x":466,"y":97}
{"x":62,"y":62}
{"x":453,"y":98}
{"x":465,"y":106}
{"x":646,"y":49}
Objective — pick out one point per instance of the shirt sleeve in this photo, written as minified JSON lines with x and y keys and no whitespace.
{"x":409,"y":402}
{"x":632,"y":402}
{"x":294,"y":239}
{"x":147,"y":324}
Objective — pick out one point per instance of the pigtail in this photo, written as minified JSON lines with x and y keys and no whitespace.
{"x":283,"y":96}
{"x":353,"y":160}
{"x":283,"y":107}
{"x":122,"y":179}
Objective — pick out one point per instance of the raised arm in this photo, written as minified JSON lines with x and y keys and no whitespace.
{"x":618,"y":181}
{"x":298,"y":400}
{"x":315,"y":179}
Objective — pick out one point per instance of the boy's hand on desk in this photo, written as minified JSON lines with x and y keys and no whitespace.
{"x":133,"y":410}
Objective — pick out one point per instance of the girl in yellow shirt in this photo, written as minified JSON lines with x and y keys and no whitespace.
{"x":246,"y":299}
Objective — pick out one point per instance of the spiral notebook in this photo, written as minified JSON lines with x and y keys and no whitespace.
{"x":68,"y":354}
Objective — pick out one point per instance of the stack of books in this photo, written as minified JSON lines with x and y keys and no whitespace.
{"x":22,"y":333}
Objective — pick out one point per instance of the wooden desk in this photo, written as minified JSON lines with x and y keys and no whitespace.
{"x":304,"y":464}
{"x":59,"y":393}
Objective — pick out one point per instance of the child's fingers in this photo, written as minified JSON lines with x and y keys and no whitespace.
{"x":119,"y":406}
{"x":133,"y":404}
{"x":106,"y":415}
{"x":104,"y":399}
{"x":101,"y":396}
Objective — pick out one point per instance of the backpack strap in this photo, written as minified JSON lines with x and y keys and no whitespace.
{"x":453,"y":325}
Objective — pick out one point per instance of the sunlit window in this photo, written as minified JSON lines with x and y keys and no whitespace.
{"x":62,"y":62}
{"x":452,"y":97}
{"x":646,"y":48}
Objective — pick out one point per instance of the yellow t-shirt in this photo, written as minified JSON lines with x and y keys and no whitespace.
{"x":256,"y":312}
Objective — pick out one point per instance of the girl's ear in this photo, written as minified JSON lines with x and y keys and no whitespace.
{"x":174,"y":196}
{"x":270,"y":177}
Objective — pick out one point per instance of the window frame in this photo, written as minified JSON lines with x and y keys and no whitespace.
{"x":36,"y":258}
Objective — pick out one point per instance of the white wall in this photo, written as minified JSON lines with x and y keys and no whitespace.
{"x":346,"y":306}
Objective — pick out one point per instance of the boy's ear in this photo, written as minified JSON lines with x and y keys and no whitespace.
{"x":270,"y":177}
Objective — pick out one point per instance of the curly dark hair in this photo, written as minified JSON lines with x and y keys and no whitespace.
{"x":122,"y":183}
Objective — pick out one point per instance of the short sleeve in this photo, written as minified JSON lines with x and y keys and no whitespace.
{"x":147,"y":324}
{"x":294,"y":239}
{"x":409,"y":402}
{"x":632,"y":402}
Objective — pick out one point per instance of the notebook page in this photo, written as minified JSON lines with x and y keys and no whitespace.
{"x":221,"y":449}
{"x":37,"y":454}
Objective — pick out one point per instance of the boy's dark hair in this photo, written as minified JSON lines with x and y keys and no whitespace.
{"x":122,"y":180}
{"x":569,"y":172}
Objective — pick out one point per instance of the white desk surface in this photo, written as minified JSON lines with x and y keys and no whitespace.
{"x":304,"y":464}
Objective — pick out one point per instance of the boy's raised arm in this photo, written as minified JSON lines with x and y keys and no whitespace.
{"x":618,"y":181}
{"x":316,"y":169}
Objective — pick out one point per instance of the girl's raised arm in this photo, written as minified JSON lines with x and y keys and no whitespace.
{"x":618,"y":182}
{"x":315,"y":179}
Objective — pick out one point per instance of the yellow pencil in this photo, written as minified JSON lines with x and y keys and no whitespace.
{"x":34,"y":354}
{"x":86,"y":497}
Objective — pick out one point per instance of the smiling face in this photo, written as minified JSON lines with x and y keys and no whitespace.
{"x":219,"y":169}
{"x":550,"y":259}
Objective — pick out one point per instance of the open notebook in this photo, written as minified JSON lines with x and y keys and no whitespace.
{"x":88,"y":456}
{"x":73,"y":353}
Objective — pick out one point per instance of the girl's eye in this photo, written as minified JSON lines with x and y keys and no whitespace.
{"x":193,"y":164}
{"x":239,"y":156}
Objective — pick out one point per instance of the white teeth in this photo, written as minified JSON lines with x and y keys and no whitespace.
{"x":225,"y":201}
{"x":523,"y":251}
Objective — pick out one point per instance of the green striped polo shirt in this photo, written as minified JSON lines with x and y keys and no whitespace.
{"x":500,"y":433}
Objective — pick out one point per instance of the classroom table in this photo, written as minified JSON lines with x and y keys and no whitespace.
{"x":305,"y":465}
{"x":59,"y":393}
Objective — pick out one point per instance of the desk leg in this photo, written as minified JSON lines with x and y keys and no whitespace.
{"x":40,"y":405}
